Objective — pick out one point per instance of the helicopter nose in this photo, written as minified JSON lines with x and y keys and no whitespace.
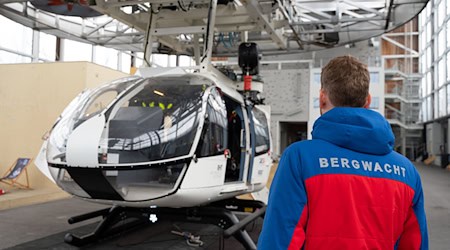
{"x":83,"y":143}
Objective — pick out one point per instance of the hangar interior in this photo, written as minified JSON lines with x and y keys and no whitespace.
{"x":52,"y":50}
{"x":407,"y":64}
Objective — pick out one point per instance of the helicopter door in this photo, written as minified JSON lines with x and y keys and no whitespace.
{"x":260,"y":144}
{"x":236,"y":141}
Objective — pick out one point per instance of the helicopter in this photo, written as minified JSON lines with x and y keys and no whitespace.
{"x":167,"y":143}
{"x":177,"y":143}
{"x":168,"y":139}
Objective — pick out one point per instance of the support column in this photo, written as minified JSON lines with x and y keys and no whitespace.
{"x":207,"y":50}
{"x":149,"y":39}
{"x":196,"y":50}
{"x":35,"y":46}
{"x":59,"y":49}
{"x":93,"y":53}
{"x":403,"y":135}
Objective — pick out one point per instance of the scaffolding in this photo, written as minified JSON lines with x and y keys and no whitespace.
{"x":402,"y":83}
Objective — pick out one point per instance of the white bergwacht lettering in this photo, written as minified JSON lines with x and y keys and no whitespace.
{"x":378,"y":167}
{"x":344,"y":163}
{"x":323,"y":162}
{"x":387,"y":168}
{"x":355,"y":164}
{"x":367,"y":166}
{"x":334,"y":162}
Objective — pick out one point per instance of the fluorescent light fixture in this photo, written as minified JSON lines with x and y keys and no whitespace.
{"x":158,"y":92}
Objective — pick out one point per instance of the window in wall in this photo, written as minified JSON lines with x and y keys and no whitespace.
{"x":421,"y":21}
{"x":139,"y":60}
{"x":428,"y":51}
{"x":423,"y":43}
{"x":448,"y":99}
{"x":448,"y":66}
{"x":436,"y":105}
{"x":374,"y":77}
{"x":316,"y":102}
{"x":125,"y":63}
{"x":6,"y":57}
{"x":424,"y":111}
{"x":160,"y":60}
{"x":429,"y":83}
{"x":106,"y":56}
{"x":441,"y":72}
{"x":77,"y":51}
{"x":375,"y":103}
{"x":441,"y":12}
{"x":429,"y":109}
{"x":436,"y":77}
{"x":172,"y":61}
{"x":316,"y":78}
{"x":47,"y":46}
{"x":22,"y":39}
{"x":186,"y":61}
{"x":442,"y":102}
{"x":448,"y":8}
{"x":448,"y":32}
{"x":441,"y":43}
{"x":428,"y":30}
{"x":424,"y":61}
{"x":423,"y":86}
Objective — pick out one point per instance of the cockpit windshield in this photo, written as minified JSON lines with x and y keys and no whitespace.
{"x":145,"y":119}
{"x":158,"y":122}
{"x":84,"y":106}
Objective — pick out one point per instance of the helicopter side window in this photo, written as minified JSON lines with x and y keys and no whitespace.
{"x":214,"y":139}
{"x":262,"y":136}
{"x":158,"y":122}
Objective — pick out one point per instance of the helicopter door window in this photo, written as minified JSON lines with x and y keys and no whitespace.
{"x":214,"y":139}
{"x":262,"y":136}
{"x":236,"y":141}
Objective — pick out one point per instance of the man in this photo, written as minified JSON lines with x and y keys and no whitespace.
{"x":346,"y":188}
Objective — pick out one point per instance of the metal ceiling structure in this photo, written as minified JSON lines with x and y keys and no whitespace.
{"x":278,"y":26}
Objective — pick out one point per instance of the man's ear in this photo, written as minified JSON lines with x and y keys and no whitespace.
{"x":322,"y":99}
{"x":368,"y":101}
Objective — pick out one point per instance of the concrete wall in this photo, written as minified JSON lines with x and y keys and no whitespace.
{"x":286,"y":91}
{"x":287,"y":85}
{"x":32,"y":96}
{"x":437,"y":136}
{"x":434,"y":140}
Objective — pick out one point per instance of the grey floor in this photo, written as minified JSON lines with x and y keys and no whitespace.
{"x":27,"y":224}
{"x":436,"y":186}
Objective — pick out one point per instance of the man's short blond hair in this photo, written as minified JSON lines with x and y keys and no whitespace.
{"x":346,"y":82}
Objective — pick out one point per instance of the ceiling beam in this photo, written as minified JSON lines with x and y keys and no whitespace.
{"x":359,"y":6}
{"x":264,"y":23}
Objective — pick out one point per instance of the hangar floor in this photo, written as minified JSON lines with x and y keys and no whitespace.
{"x":43,"y":226}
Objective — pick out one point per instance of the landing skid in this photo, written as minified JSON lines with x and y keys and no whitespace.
{"x":118,"y":219}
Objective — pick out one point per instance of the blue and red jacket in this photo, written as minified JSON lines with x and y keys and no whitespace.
{"x":345,"y":189}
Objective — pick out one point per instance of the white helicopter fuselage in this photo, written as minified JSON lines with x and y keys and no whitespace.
{"x":163,"y":138}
